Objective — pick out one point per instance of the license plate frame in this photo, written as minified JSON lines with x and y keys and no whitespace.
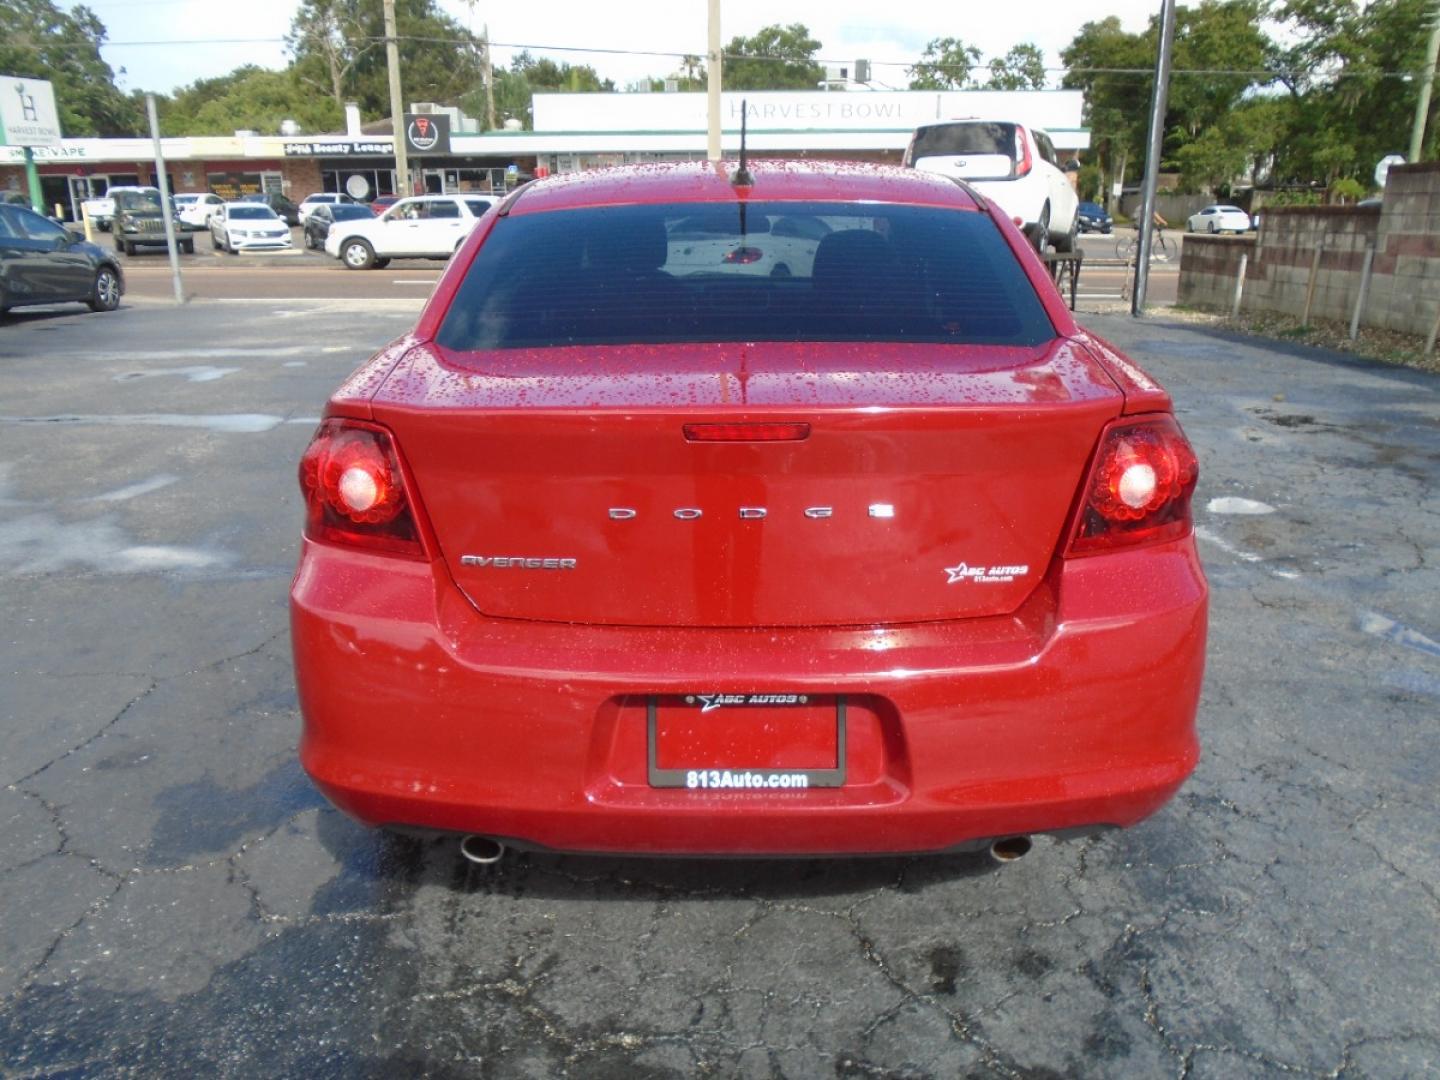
{"x":677,"y":777}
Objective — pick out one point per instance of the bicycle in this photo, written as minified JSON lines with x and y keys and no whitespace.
{"x":1128,"y":249}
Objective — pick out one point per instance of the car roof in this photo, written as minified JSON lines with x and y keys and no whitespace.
{"x":699,"y":182}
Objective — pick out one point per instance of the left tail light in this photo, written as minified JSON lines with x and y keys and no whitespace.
{"x":1139,"y":487}
{"x":355,"y":491}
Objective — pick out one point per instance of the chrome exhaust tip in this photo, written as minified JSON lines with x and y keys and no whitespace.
{"x":482,"y":850}
{"x":1010,"y":848}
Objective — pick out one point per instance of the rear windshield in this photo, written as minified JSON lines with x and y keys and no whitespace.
{"x":348,"y":211}
{"x":972,"y":137}
{"x":138,"y":200}
{"x":773,"y":272}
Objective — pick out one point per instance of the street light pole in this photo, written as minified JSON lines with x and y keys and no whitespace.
{"x":397,"y":109}
{"x":162,"y":181}
{"x":1152,"y":154}
{"x":1427,"y":81}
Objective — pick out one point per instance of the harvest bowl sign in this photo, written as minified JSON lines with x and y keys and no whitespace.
{"x":27,"y":112}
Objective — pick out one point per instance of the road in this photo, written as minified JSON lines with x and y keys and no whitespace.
{"x":176,"y":899}
{"x":314,"y":276}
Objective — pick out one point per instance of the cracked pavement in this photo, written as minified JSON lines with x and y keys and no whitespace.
{"x":175,"y":898}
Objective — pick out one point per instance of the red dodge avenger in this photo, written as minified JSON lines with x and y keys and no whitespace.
{"x":775,"y":512}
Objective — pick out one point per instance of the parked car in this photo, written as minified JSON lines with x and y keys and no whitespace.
{"x":611,"y":555}
{"x":381,"y":203}
{"x":248,"y":226}
{"x":1094,"y":218}
{"x":321,"y":217}
{"x":139,"y":221}
{"x":284,"y":209}
{"x":196,"y":208}
{"x":316,"y":199}
{"x":1008,"y":162}
{"x":1218,"y":219}
{"x":423,"y":227}
{"x":43,"y":263}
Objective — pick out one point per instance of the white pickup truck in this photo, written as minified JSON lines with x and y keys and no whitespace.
{"x":102,"y":210}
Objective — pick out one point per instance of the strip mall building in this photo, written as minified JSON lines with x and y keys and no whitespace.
{"x":572,"y":132}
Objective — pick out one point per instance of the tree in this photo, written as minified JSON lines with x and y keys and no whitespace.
{"x":1221,"y":58}
{"x":339,"y":45}
{"x":946,"y":65}
{"x":249,"y":97}
{"x":774,"y":58}
{"x":40,"y":41}
{"x":1348,"y":72}
{"x":515,"y":87}
{"x":1022,"y":68}
{"x":1115,"y":102}
{"x":328,"y":40}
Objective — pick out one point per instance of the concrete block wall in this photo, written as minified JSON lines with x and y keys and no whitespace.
{"x":1404,"y":233}
{"x":1208,"y":265}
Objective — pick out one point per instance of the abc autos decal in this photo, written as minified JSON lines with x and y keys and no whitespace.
{"x":425,"y":134}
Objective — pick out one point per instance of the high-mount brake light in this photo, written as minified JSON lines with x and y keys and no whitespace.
{"x":743,"y":256}
{"x":781,"y":432}
{"x":355,"y":491}
{"x":1139,"y":487}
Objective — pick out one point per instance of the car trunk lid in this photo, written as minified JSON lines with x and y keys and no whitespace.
{"x":934,"y":482}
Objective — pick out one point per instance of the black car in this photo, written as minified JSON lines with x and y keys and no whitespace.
{"x":44,"y":263}
{"x":1092,"y":217}
{"x":323,"y":215}
{"x":283,"y":207}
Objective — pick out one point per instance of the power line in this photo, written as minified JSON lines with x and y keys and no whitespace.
{"x":1268,"y":74}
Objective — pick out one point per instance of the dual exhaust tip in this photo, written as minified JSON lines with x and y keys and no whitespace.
{"x":1010,"y":849}
{"x":482,"y":850}
{"x":487,"y":851}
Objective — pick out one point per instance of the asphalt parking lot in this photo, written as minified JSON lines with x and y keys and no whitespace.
{"x":175,"y":898}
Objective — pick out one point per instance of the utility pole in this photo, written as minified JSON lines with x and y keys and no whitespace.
{"x":489,"y":84}
{"x":1427,"y":81}
{"x":397,"y":110}
{"x":1152,"y":153}
{"x":712,"y":85}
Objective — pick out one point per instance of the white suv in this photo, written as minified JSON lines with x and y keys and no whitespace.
{"x":1011,"y":165}
{"x":425,"y":227}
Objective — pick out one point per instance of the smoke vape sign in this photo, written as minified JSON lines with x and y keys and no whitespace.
{"x":425,"y":134}
{"x":27,"y":112}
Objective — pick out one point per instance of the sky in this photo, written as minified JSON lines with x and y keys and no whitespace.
{"x":894,"y":31}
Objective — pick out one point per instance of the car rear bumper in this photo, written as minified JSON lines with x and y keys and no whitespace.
{"x":1077,"y":711}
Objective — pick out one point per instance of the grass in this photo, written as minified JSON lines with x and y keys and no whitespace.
{"x":1385,"y":346}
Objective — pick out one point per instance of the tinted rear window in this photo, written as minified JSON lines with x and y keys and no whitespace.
{"x":347,"y":211}
{"x":787,"y":272}
{"x":975,"y":138}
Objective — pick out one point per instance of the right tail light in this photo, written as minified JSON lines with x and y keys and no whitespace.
{"x":1138,"y":489}
{"x":1022,"y":155}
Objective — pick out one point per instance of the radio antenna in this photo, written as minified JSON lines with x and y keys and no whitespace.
{"x":742,"y":177}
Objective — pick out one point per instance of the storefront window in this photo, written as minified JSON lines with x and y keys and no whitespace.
{"x":359,"y":183}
